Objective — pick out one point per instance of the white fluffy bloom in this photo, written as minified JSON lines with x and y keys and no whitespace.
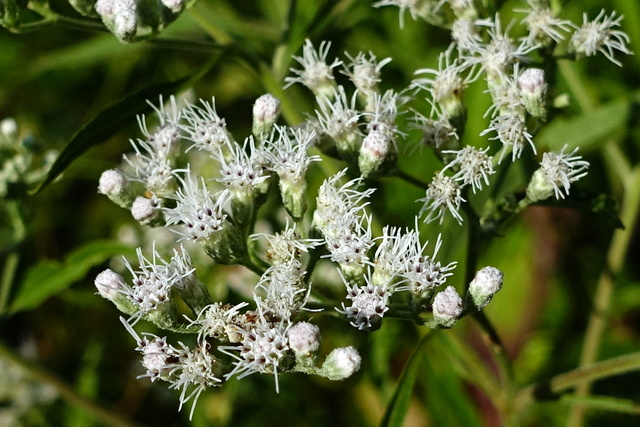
{"x":368,"y":305}
{"x":473,"y":166}
{"x":444,"y":194}
{"x":422,"y":273}
{"x":512,"y":132}
{"x":165,"y":138}
{"x":199,"y":212}
{"x":600,"y":35}
{"x":316,"y":74}
{"x":365,"y":72}
{"x":559,"y":170}
{"x":205,"y":128}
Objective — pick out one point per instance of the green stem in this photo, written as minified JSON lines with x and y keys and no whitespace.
{"x":567,"y":380}
{"x":66,"y":392}
{"x":408,"y":178}
{"x":16,"y":218}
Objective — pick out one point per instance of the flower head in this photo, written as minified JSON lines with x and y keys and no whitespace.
{"x":557,"y":172}
{"x":600,"y":35}
{"x":316,"y":74}
{"x":473,"y":166}
{"x":444,"y":194}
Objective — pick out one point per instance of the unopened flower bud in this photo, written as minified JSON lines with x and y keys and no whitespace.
{"x":341,"y":363}
{"x":117,"y":188}
{"x":294,"y":197}
{"x":539,"y":188}
{"x":304,"y":339}
{"x":147,"y":211}
{"x":125,"y":19}
{"x":266,"y":111}
{"x":534,"y":91}
{"x":109,"y":283}
{"x":111,"y":286}
{"x":377,"y":149}
{"x":484,"y":286}
{"x":174,"y":5}
{"x":447,"y":307}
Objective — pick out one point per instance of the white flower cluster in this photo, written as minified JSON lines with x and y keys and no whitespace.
{"x":191,"y":175}
{"x":483,"y":47}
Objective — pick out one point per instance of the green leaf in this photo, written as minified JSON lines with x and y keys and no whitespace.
{"x":588,"y":130}
{"x":447,"y":401}
{"x":106,"y":123}
{"x":399,"y":404}
{"x":49,"y":278}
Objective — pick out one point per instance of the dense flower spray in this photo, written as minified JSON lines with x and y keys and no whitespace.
{"x":190,"y":174}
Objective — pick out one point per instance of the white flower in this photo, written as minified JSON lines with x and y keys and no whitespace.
{"x":152,"y":283}
{"x":109,"y":284}
{"x":316,"y":74}
{"x":304,"y":338}
{"x":286,"y":152}
{"x":411,"y":5}
{"x":601,"y":36}
{"x":473,"y":166}
{"x":195,"y":367}
{"x":205,"y":128}
{"x":153,"y":170}
{"x":337,"y":206}
{"x":499,"y":54}
{"x":561,"y":169}
{"x":350,"y":241}
{"x":284,"y":289}
{"x":341,"y":363}
{"x":284,"y":245}
{"x":447,"y":85}
{"x":543,"y":26}
{"x":365,"y":72}
{"x":165,"y":138}
{"x":506,"y":95}
{"x":443,"y":194}
{"x":368,"y":304}
{"x":338,"y":117}
{"x":512,"y":132}
{"x":220,"y":321}
{"x":241,"y":170}
{"x":198,"y":210}
{"x":422,"y":273}
{"x":262,"y":347}
{"x":438,"y":134}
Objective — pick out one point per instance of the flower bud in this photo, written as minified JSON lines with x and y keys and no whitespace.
{"x":376,"y":149}
{"x":539,"y":187}
{"x":117,"y":188}
{"x":341,"y":363}
{"x":534,"y":92}
{"x":266,"y":111}
{"x":147,"y":211}
{"x":304,"y":340}
{"x":447,"y":307}
{"x":110,"y":286}
{"x":484,"y":286}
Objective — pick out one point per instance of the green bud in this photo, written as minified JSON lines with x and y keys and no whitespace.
{"x":539,"y":187}
{"x":534,"y":92}
{"x":486,"y":283}
{"x":117,"y":188}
